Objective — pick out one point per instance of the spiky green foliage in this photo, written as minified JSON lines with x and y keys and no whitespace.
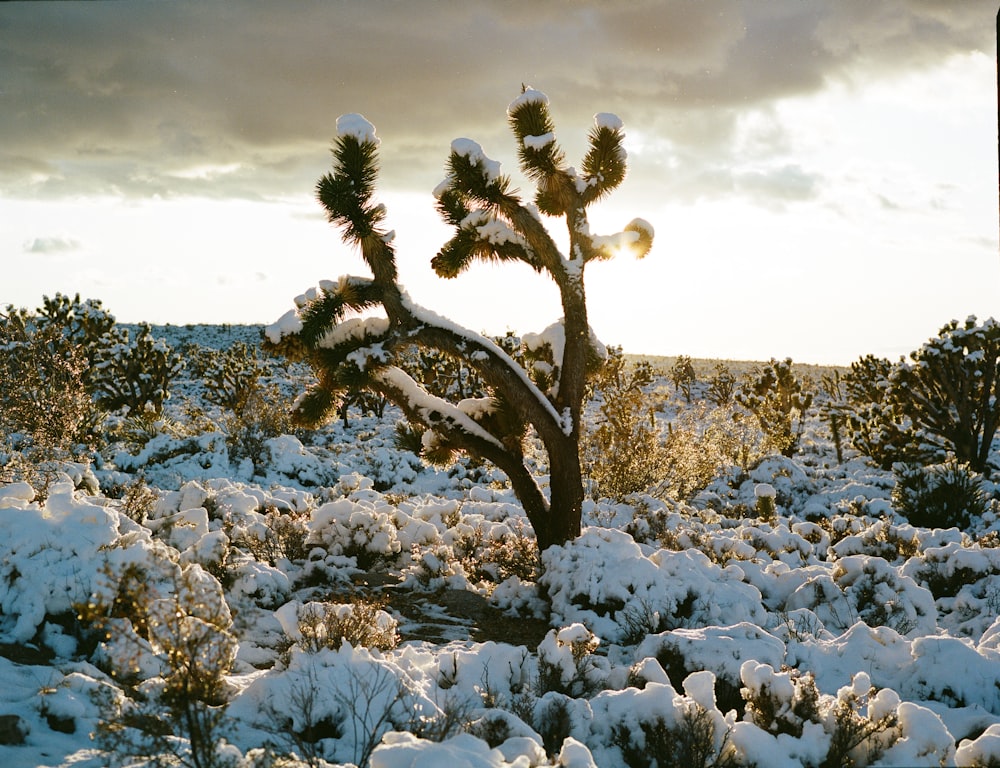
{"x":942,"y":403}
{"x":950,"y":391}
{"x":776,"y":396}
{"x":135,"y":373}
{"x":351,"y":349}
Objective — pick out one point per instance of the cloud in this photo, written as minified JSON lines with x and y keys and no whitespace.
{"x":131,"y":99}
{"x":51,"y":245}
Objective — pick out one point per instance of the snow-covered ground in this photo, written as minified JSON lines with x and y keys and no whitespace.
{"x":777,"y":641}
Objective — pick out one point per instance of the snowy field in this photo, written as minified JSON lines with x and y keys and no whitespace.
{"x":831,"y":628}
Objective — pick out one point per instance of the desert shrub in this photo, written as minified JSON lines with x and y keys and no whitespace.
{"x":355,"y":529}
{"x":880,"y":596}
{"x":939,"y":496}
{"x":281,"y":537}
{"x":135,"y":373}
{"x":688,"y":742}
{"x":566,"y":662}
{"x":623,"y":454}
{"x":893,"y":543}
{"x":360,"y":622}
{"x":551,"y":716}
{"x":776,"y":396}
{"x":177,"y":717}
{"x":259,"y":417}
{"x":509,"y":551}
{"x":864,"y":724}
{"x":721,"y":386}
{"x":701,"y":442}
{"x":44,"y":396}
{"x":779,"y":702}
{"x":138,"y":499}
{"x":231,"y":376}
{"x":683,"y":376}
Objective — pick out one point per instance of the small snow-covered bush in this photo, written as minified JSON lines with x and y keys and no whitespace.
{"x":355,"y":528}
{"x":566,"y":663}
{"x":682,"y":588}
{"x":981,"y":752}
{"x":259,"y":416}
{"x":360,"y":622}
{"x":178,"y":716}
{"x":341,"y":702}
{"x":855,"y":727}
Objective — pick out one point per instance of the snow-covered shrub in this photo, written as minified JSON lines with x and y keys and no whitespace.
{"x":981,"y":752}
{"x":135,"y":373}
{"x":855,"y":727}
{"x":495,"y":552}
{"x":776,"y":396}
{"x":867,"y":589}
{"x":779,"y":702}
{"x":949,"y":567}
{"x":566,"y":662}
{"x":279,"y":537}
{"x":341,"y":702}
{"x":636,"y":727}
{"x":178,"y":716}
{"x":682,"y":588}
{"x":764,"y":507}
{"x":690,"y":740}
{"x":260,"y":416}
{"x":939,"y":495}
{"x":355,"y":528}
{"x":719,"y":650}
{"x":360,"y":622}
{"x":893,"y":543}
{"x":53,"y":553}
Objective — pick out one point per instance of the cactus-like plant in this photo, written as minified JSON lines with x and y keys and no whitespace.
{"x":135,"y":373}
{"x":775,"y":395}
{"x":492,"y":223}
{"x":950,"y":392}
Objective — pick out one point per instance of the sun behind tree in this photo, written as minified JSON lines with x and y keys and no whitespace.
{"x":349,"y":352}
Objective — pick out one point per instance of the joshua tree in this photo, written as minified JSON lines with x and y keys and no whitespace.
{"x":491,"y":223}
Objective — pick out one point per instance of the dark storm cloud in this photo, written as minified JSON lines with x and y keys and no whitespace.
{"x":141,"y":98}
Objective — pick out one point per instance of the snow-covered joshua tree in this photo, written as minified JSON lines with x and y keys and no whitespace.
{"x":492,"y":223}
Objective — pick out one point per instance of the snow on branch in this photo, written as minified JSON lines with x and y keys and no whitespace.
{"x":432,"y":409}
{"x":357,"y":127}
{"x":433,"y":320}
{"x":473,"y":152}
{"x":529,"y":96}
{"x":636,"y":238}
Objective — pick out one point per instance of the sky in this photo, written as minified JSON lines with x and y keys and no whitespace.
{"x":821,"y":175}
